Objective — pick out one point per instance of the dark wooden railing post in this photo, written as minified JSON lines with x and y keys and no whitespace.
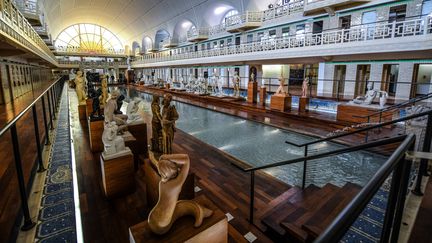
{"x":304,"y":167}
{"x":54,"y":106}
{"x":252,"y":197}
{"x":424,"y":162}
{"x":50,"y":112}
{"x":37,"y":137}
{"x":28,"y":223}
{"x":47,"y":140}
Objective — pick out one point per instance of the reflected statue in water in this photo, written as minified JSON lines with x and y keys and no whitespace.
{"x":169,"y":117}
{"x":173,"y":170}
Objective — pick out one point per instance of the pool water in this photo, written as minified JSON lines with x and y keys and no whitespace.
{"x":260,"y":144}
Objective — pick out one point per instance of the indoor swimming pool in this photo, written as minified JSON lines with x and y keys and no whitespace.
{"x":260,"y":144}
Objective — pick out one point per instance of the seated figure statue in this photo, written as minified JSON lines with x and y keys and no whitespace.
{"x":114,"y":145}
{"x":111,"y":107}
{"x":173,"y":169}
{"x":368,"y":98}
{"x":133,"y":113}
{"x":281,"y":91}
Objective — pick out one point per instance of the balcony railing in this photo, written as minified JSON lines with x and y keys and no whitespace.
{"x":282,"y":11}
{"x":76,"y":50}
{"x":15,"y":26}
{"x":245,"y":21}
{"x":92,"y":64}
{"x":362,"y":33}
{"x":198,"y":34}
{"x":316,"y":6}
{"x":28,"y":8}
{"x":168,"y":43}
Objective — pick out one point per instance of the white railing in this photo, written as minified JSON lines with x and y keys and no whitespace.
{"x":361,"y":33}
{"x":90,"y":64}
{"x":16,"y":26}
{"x":217,"y":29}
{"x":27,"y":7}
{"x":239,"y":20}
{"x":197,"y":33}
{"x":168,"y":42}
{"x":283,"y":10}
{"x":79,"y":50}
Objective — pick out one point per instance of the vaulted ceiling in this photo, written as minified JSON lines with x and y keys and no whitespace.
{"x":131,"y":20}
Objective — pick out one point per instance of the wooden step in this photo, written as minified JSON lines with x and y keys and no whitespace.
{"x":322,"y":218}
{"x":274,"y":216}
{"x":293,"y":222}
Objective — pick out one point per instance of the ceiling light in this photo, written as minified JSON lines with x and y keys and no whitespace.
{"x":220,"y":10}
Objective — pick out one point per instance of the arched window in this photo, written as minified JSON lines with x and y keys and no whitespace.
{"x":229,"y":14}
{"x":88,"y":38}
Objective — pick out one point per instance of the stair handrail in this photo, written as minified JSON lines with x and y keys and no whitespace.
{"x":393,"y":216}
{"x":379,"y":125}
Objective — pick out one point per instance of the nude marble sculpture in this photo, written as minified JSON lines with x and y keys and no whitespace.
{"x":305,"y":87}
{"x":173,"y":170}
{"x":281,"y":91}
{"x":114,"y":145}
{"x":368,"y":98}
{"x":80,"y":88}
{"x":109,"y":111}
{"x":133,"y":112}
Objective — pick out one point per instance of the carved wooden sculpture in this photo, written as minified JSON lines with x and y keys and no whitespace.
{"x":156,"y":125}
{"x":169,"y":117}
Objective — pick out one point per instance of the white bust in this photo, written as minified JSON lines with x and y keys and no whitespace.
{"x":133,"y":112}
{"x":114,"y":145}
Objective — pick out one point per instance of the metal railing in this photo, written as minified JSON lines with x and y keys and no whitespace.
{"x":79,"y":50}
{"x":356,"y":34}
{"x":52,"y":94}
{"x":16,"y":26}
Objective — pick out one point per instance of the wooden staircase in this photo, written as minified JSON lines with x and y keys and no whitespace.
{"x":301,"y":215}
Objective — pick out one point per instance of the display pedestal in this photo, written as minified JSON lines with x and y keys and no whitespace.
{"x":152,"y":178}
{"x":82,"y":112}
{"x":280,"y":102}
{"x":214,"y":229}
{"x":263,"y":95}
{"x":303,"y":104}
{"x":117,"y":175}
{"x":168,"y":86}
{"x":95,"y":128}
{"x":252,"y":92}
{"x":139,"y":146}
{"x":89,"y":107}
{"x":354,"y":113}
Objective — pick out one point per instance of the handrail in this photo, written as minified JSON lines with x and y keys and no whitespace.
{"x":337,"y":229}
{"x":330,"y":153}
{"x":22,"y":113}
{"x":362,"y":129}
{"x":407,"y":102}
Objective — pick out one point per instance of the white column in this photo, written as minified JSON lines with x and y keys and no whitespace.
{"x":350,"y":77}
{"x":403,"y":90}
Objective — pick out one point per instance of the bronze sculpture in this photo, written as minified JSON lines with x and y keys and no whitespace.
{"x":156,"y":140}
{"x":173,"y":170}
{"x":169,"y":117}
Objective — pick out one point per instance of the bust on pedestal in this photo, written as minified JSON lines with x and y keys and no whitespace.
{"x":281,"y":100}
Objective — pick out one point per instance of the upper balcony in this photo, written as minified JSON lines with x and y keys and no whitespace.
{"x":169,"y":43}
{"x":42,"y":31}
{"x":15,"y":28}
{"x":92,"y":65}
{"x":78,"y":51}
{"x":329,"y":6}
{"x":30,"y":11}
{"x":243,"y":22}
{"x":197,"y":34}
{"x":382,"y":37}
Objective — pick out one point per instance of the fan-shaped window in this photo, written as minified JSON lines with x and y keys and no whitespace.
{"x":88,"y":38}
{"x":229,"y":14}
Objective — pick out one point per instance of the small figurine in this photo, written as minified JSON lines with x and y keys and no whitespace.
{"x":305,"y":87}
{"x":169,"y":117}
{"x":281,"y":91}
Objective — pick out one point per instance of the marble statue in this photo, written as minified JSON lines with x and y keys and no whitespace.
{"x":305,"y":87}
{"x":212,"y":83}
{"x":133,"y":112}
{"x":281,"y":91}
{"x":80,"y":88}
{"x":109,"y":111}
{"x":104,"y":86}
{"x":156,"y":140}
{"x":252,"y":77}
{"x":220,"y":82}
{"x":169,"y":117}
{"x":383,"y":98}
{"x":114,"y":145}
{"x":173,"y":170}
{"x":182,"y":83}
{"x":368,"y":98}
{"x":236,"y":82}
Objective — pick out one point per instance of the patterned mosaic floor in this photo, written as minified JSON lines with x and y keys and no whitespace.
{"x":56,"y":222}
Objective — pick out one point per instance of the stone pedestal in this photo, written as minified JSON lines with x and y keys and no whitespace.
{"x":303,"y":104}
{"x":82,"y":112}
{"x":152,"y":179}
{"x":95,"y":128}
{"x":118,"y":175}
{"x":263,"y":95}
{"x":252,"y":92}
{"x":214,"y":229}
{"x":280,"y":102}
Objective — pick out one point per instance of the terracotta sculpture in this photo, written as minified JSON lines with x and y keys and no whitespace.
{"x":305,"y":87}
{"x":156,"y":125}
{"x":173,"y":170}
{"x":110,"y":108}
{"x":80,"y":88}
{"x":104,"y":86}
{"x":169,"y":117}
{"x":236,"y":81}
{"x":114,"y":145}
{"x":280,"y":91}
{"x":368,"y":98}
